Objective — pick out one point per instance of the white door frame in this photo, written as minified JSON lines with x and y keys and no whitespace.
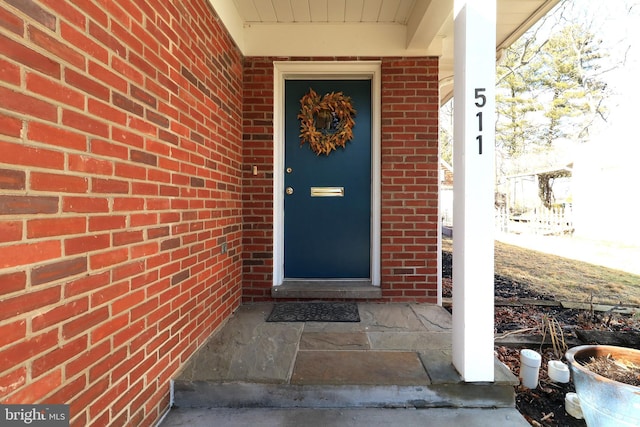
{"x":290,"y":70}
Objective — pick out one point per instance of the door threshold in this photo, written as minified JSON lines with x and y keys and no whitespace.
{"x":326,"y":289}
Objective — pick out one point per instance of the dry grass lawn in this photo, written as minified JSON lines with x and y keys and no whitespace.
{"x":567,"y":279}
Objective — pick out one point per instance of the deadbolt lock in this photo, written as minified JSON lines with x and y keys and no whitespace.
{"x":289,"y":190}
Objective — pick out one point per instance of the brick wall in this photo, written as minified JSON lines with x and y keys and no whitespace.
{"x":120,"y":182}
{"x":257,"y":235}
{"x":410,"y":223}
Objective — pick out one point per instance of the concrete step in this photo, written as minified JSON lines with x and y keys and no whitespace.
{"x":444,"y":389}
{"x":204,"y":394}
{"x":397,"y":356}
{"x":441,"y":417}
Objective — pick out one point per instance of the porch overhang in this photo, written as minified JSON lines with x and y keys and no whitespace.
{"x":403,"y":28}
{"x":357,"y":28}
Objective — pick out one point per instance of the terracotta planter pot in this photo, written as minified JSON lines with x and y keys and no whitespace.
{"x":605,"y":402}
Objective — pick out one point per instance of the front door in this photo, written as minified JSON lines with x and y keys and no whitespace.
{"x":327,"y":205}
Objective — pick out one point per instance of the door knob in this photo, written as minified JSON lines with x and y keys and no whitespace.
{"x":289,"y":190}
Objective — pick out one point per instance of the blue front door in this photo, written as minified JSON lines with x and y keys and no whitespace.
{"x":327,"y":208}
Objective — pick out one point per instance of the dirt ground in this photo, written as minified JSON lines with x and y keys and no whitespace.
{"x":536,"y":262}
{"x":616,"y":256}
{"x":544,"y":406}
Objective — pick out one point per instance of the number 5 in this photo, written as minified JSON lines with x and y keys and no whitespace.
{"x":481,"y":99}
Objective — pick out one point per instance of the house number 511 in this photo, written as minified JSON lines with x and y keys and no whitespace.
{"x":481,"y":101}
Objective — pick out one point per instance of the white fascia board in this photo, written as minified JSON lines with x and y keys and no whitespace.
{"x":326,"y":39}
{"x":231,"y":19}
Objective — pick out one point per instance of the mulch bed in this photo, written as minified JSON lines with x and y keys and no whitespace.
{"x":543,"y":406}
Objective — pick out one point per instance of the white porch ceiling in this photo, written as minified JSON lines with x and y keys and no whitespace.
{"x":330,"y":28}
{"x":397,"y":11}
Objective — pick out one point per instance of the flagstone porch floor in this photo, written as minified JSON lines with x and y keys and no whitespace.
{"x":397,"y":356}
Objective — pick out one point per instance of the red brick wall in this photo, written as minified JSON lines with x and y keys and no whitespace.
{"x":120,"y":180}
{"x":410,"y":223}
{"x":257,"y":212}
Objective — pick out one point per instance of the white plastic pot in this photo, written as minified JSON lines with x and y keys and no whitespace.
{"x":530,"y":362}
{"x":572,"y":405}
{"x":558,"y":371}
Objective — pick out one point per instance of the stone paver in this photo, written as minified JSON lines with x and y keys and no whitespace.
{"x":438,"y":365}
{"x":415,"y":341}
{"x":334,"y":341}
{"x":359,"y":368}
{"x":247,"y":349}
{"x":389,"y":317}
{"x":433,"y":317}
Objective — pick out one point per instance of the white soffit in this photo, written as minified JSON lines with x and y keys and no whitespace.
{"x":335,"y":27}
{"x":341,"y":28}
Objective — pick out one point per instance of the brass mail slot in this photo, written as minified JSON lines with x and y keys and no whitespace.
{"x":327,"y":191}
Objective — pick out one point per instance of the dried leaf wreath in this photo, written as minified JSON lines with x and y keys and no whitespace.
{"x":326,"y":122}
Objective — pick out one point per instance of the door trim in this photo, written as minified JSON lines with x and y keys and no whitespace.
{"x":324,"y":70}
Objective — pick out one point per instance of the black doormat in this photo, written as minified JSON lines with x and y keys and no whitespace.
{"x":314,"y":312}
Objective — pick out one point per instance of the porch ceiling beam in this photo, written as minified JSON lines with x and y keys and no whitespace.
{"x":426,"y":21}
{"x":329,"y":39}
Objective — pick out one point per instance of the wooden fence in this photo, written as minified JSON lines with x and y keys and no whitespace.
{"x":555,"y":221}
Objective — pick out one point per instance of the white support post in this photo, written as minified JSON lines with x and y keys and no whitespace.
{"x":473,"y":217}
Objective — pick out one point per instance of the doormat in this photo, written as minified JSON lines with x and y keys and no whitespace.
{"x":314,"y":312}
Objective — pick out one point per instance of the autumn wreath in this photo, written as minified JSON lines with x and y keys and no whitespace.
{"x":326,"y":122}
